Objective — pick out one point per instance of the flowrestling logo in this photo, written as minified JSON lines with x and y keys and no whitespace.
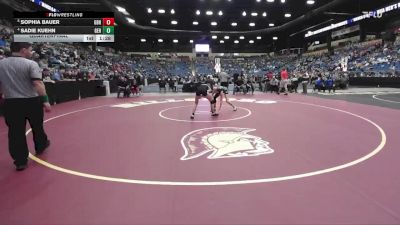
{"x":223,"y":142}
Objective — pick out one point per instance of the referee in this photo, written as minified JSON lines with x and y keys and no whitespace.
{"x":25,"y":97}
{"x":224,"y":79}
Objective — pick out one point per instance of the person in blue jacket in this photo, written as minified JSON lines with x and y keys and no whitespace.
{"x":330,"y":84}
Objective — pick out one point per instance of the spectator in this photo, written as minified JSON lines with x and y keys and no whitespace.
{"x":284,"y":80}
{"x":330,"y":84}
{"x":274,"y":85}
{"x":57,"y":76}
{"x":123,"y":87}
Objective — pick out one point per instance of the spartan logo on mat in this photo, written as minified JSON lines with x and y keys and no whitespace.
{"x":223,"y":142}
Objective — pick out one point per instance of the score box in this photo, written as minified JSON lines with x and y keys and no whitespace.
{"x":104,"y":38}
{"x":108,"y":30}
{"x":108,"y":21}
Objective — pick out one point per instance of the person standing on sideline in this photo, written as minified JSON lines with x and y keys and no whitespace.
{"x":25,"y":97}
{"x":224,"y":79}
{"x":284,"y":80}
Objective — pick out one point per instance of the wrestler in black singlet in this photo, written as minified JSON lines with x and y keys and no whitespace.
{"x":202,"y":90}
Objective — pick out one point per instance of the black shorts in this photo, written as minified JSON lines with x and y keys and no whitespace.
{"x":202,"y":91}
{"x":225,"y":84}
{"x":225,"y":91}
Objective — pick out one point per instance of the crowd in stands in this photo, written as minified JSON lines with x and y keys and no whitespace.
{"x":375,"y":60}
{"x":204,"y":66}
{"x":162,"y":67}
{"x":62,"y":61}
{"x":6,"y":33}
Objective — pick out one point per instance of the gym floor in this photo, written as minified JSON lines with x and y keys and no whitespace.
{"x":297,"y":159}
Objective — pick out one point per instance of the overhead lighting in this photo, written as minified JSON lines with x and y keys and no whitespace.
{"x":287,"y":15}
{"x":198,"y":12}
{"x":310,"y":2}
{"x":122,"y":10}
{"x":226,"y":37}
{"x":209,"y":13}
{"x":191,"y":41}
{"x":130,"y":20}
{"x":154,"y":21}
{"x":195,"y":23}
{"x":160,"y":40}
{"x":214,"y":37}
{"x":142,"y":40}
{"x":241,"y":37}
{"x":236,"y":54}
{"x":234,"y":24}
{"x":254,"y":14}
{"x":161,"y":11}
{"x":221,"y":41}
{"x":175,"y":41}
{"x":271,"y":25}
{"x":172,"y":11}
{"x":252,"y":24}
{"x":275,"y":38}
{"x":270,"y":0}
{"x":213,"y":23}
{"x":244,"y":13}
{"x":283,"y":1}
{"x":258,"y":0}
{"x":174,"y":22}
{"x":251,"y":42}
{"x":220,"y":13}
{"x":264,"y":14}
{"x":236,"y":42}
{"x":258,"y":37}
{"x":149,"y":10}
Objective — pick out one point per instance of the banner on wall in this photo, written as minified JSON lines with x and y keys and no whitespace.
{"x":344,"y":31}
{"x":373,"y":14}
{"x":217,"y":65}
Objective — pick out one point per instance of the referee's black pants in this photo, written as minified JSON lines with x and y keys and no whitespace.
{"x":225,"y":84}
{"x":16,"y":112}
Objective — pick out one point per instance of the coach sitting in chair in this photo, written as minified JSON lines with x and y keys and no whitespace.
{"x":123,"y":86}
{"x":239,"y":86}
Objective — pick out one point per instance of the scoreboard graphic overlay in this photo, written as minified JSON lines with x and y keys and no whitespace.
{"x":64,"y":26}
